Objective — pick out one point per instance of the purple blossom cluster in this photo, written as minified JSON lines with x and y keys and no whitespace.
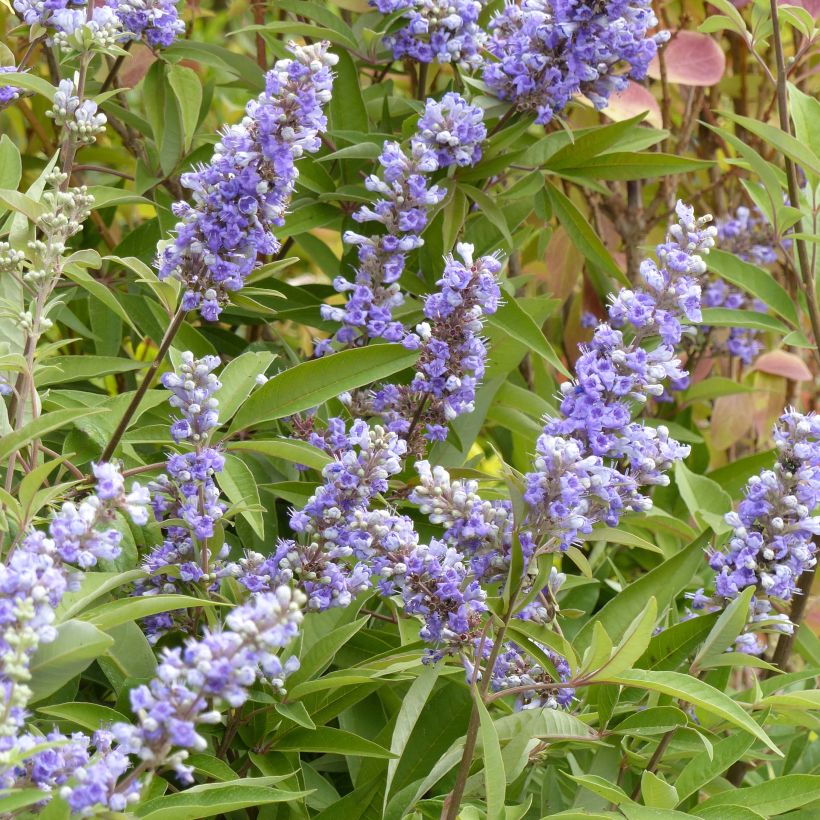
{"x":33,"y":581}
{"x":549,"y":50}
{"x":348,"y":545}
{"x":241,"y":196}
{"x":449,"y":132}
{"x":187,"y":491}
{"x":80,"y":118}
{"x":515,"y":669}
{"x":593,"y":459}
{"x":8,"y":93}
{"x":453,"y":130}
{"x":156,"y":22}
{"x":773,"y":530}
{"x":444,"y":30}
{"x":215,"y":670}
{"x":328,"y":561}
{"x":452,"y":354}
{"x":771,"y":543}
{"x":406,"y":198}
{"x":481,"y":529}
{"x":193,"y":387}
{"x":748,"y":235}
{"x":745,"y":343}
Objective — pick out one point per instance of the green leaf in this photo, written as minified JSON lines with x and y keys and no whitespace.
{"x":122,"y":610}
{"x":764,"y":170}
{"x":732,"y":812}
{"x":295,"y":712}
{"x":328,"y":740}
{"x":93,"y":586}
{"x":490,"y":208}
{"x":773,"y":797}
{"x":11,"y":165}
{"x":808,"y":699}
{"x":698,"y":693}
{"x":90,"y":716}
{"x":304,"y":30}
{"x":77,"y":645}
{"x":632,"y":645}
{"x":513,"y":320}
{"x":755,"y":280}
{"x":582,"y":235}
{"x":656,"y":720}
{"x":783,"y":143}
{"x":700,"y":770}
{"x":311,"y":383}
{"x":632,"y":165}
{"x":664,"y":582}
{"x":39,"y":427}
{"x":726,"y":317}
{"x":105,"y":294}
{"x":362,"y":150}
{"x":613,"y":535}
{"x":656,"y":792}
{"x":674,"y":645}
{"x":297,"y":452}
{"x":15,"y":201}
{"x":130,"y":657}
{"x":495,"y":782}
{"x":713,"y":388}
{"x":347,"y":108}
{"x":30,"y":82}
{"x":602,"y":787}
{"x":238,"y":483}
{"x":707,"y":501}
{"x":729,"y":625}
{"x":805,"y":112}
{"x":411,"y":709}
{"x":187,"y":89}
{"x":212,"y":799}
{"x":16,"y":799}
{"x":238,"y":379}
{"x":66,"y":369}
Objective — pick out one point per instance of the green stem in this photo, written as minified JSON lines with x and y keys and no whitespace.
{"x":164,"y":346}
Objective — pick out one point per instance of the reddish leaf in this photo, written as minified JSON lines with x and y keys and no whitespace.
{"x":811,"y":6}
{"x":635,"y":99}
{"x":135,"y":65}
{"x":767,"y":404}
{"x":562,"y":265}
{"x":781,"y":363}
{"x":731,"y":420}
{"x":691,"y":59}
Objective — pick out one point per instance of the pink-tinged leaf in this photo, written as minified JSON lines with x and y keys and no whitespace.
{"x":136,"y":65}
{"x":811,"y":6}
{"x":635,"y":99}
{"x":731,"y":420}
{"x":781,"y":363}
{"x":691,"y":58}
{"x":767,"y":402}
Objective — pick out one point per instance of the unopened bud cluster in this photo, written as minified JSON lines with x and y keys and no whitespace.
{"x":80,"y":118}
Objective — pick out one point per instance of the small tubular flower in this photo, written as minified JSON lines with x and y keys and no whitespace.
{"x":446,"y":31}
{"x":242,"y":195}
{"x":549,"y":50}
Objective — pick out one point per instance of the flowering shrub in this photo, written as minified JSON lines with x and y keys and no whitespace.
{"x":388,"y":428}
